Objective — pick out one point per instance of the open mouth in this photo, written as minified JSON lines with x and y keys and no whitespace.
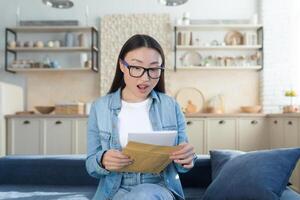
{"x":142,"y":88}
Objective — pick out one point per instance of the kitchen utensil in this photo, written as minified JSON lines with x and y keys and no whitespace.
{"x":251,"y":109}
{"x":191,"y":58}
{"x":191,"y":100}
{"x":44,"y":109}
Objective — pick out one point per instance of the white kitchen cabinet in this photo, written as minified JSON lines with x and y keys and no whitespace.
{"x":221,"y":134}
{"x":253,"y":134}
{"x":276,"y":132}
{"x":284,"y":133}
{"x":24,"y":136}
{"x":195,"y":131}
{"x":81,"y":136}
{"x":47,"y":135}
{"x":58,"y":136}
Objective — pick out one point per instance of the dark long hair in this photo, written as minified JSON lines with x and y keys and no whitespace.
{"x":135,"y":42}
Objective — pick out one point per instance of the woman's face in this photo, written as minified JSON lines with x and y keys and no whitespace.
{"x":138,"y":89}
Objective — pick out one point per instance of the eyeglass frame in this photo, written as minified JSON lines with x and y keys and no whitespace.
{"x":145,"y":69}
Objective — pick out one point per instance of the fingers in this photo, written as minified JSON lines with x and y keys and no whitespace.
{"x":185,"y":148}
{"x":114,"y":159}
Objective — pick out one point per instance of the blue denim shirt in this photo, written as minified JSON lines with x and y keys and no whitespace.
{"x":165,"y":114}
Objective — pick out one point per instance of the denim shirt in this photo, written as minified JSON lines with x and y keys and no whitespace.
{"x":164,"y":114}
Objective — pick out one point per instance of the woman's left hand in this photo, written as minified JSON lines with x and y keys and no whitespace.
{"x":184,"y":156}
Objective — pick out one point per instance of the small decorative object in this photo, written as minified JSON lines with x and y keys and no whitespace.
{"x":290,"y":108}
{"x":54,"y":64}
{"x":12,"y":44}
{"x":69,"y":39}
{"x":233,"y":38}
{"x":83,"y":59}
{"x":50,"y":44}
{"x":190,"y":108}
{"x":82,"y":40}
{"x":191,"y":58}
{"x":20,"y":44}
{"x":88,"y":64}
{"x":191,"y":100}
{"x":39,"y":44}
{"x":216,"y":104}
{"x":56,"y":44}
{"x":28,"y":44}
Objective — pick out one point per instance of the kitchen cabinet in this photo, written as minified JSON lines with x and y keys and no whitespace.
{"x":218,"y":46}
{"x":24,"y":54}
{"x":24,"y":136}
{"x":58,"y":136}
{"x":253,"y":134}
{"x":48,"y":135}
{"x":221,"y":134}
{"x":284,"y":133}
{"x":195,"y":132}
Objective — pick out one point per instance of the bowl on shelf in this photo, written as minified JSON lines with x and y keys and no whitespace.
{"x":45,"y":109}
{"x":251,"y":109}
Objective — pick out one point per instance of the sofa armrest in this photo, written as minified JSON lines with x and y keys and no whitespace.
{"x":45,"y":170}
{"x":200,"y":175}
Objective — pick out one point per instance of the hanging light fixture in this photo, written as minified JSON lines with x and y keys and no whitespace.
{"x":61,"y":4}
{"x":172,"y":2}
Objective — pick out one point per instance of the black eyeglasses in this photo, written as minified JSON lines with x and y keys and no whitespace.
{"x":138,"y":71}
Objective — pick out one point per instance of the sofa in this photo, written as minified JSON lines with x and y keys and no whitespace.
{"x":65,"y":177}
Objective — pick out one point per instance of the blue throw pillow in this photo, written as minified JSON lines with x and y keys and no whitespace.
{"x":257,"y":175}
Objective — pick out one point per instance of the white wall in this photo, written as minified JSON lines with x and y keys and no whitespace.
{"x":281,"y":52}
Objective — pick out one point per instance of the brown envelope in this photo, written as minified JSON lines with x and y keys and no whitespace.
{"x":147,"y":158}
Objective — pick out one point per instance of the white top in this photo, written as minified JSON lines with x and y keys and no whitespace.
{"x":133,"y":117}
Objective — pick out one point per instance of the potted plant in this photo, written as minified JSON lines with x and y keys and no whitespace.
{"x":290,"y":108}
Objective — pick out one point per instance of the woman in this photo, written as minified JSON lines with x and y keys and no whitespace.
{"x":136,"y":102}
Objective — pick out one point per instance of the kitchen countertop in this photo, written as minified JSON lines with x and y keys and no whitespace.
{"x":196,"y":115}
{"x":45,"y":116}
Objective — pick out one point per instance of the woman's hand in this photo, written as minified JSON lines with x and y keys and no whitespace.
{"x":184,"y":156}
{"x":114,"y":160}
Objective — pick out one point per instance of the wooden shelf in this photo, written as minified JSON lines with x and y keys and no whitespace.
{"x":40,"y":29}
{"x":233,"y":47}
{"x":258,"y":67}
{"x":210,"y":27}
{"x":48,"y":69}
{"x":36,"y":49}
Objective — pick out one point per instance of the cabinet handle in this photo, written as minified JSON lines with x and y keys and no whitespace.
{"x":189,"y":123}
{"x":26,"y":122}
{"x":254,"y":122}
{"x":221,"y":122}
{"x":275,"y":122}
{"x":58,"y":122}
{"x":290,"y":123}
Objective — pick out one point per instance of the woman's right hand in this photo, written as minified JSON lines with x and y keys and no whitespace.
{"x":114,"y":160}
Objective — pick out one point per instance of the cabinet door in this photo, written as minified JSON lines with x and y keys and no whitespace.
{"x":291,"y":140}
{"x":23,"y":136}
{"x":81,"y":136}
{"x":276,"y":132}
{"x":221,"y":134}
{"x":195,"y":133}
{"x":58,"y":136}
{"x":252,"y":134}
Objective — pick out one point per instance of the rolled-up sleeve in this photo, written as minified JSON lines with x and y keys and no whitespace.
{"x":94,"y":148}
